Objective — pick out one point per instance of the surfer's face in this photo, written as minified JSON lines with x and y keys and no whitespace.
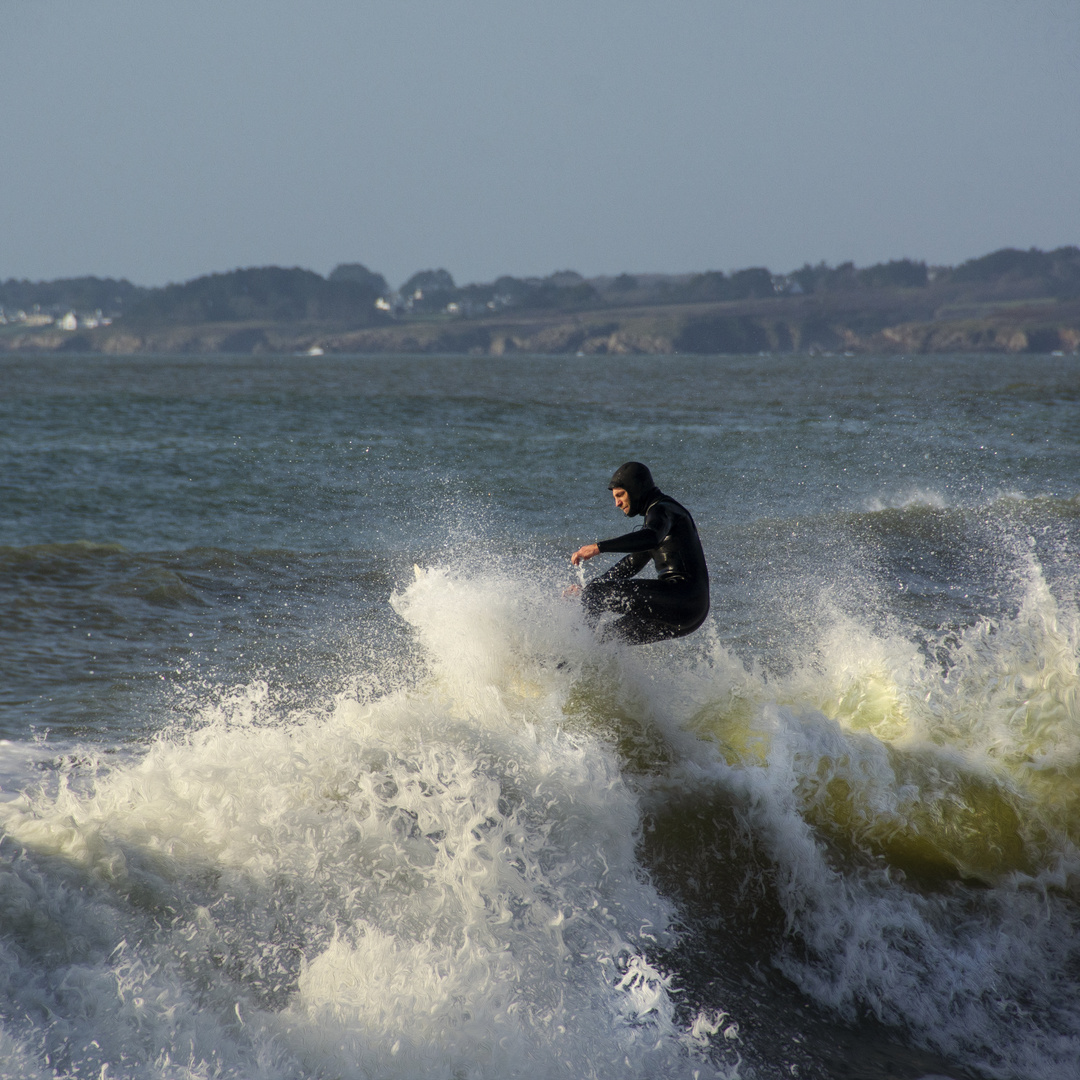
{"x":622,"y":499}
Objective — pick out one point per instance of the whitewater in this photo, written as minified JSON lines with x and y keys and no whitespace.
{"x":311,"y":771}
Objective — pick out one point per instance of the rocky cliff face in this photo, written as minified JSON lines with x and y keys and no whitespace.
{"x":787,"y":324}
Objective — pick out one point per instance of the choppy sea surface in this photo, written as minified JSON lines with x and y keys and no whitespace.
{"x":309,"y":771}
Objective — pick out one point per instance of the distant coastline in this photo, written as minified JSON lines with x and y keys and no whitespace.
{"x":1008,"y":301}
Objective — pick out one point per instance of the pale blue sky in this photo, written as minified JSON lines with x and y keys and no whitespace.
{"x":159,"y":141}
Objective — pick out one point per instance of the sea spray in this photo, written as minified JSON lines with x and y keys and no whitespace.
{"x":848,"y":799}
{"x":439,"y":881}
{"x":913,"y":820}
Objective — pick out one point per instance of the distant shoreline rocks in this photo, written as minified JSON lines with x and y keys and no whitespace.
{"x":1009,"y":301}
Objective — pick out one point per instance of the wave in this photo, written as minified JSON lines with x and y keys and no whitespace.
{"x":1005,"y":502}
{"x":42,"y":562}
{"x":422,"y":883}
{"x":538,"y":855}
{"x":914,"y":826}
{"x":913,"y":498}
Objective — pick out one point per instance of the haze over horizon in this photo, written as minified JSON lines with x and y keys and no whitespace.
{"x":161,"y":143}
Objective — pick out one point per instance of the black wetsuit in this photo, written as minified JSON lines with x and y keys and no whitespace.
{"x":677,"y":602}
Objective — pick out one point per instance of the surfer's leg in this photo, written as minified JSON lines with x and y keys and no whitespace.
{"x":649,"y":610}
{"x":607,"y":595}
{"x":636,"y":629}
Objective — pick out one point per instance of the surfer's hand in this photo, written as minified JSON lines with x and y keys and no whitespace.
{"x":583,"y":553}
{"x":571,"y":590}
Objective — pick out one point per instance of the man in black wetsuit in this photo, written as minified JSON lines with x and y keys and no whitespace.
{"x":677,"y":602}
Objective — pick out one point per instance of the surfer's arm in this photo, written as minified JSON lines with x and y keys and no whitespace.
{"x":637,"y":543}
{"x":648,"y":537}
{"x":589,"y":551}
{"x":626,"y":567}
{"x":632,"y":564}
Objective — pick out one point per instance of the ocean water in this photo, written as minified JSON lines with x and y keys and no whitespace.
{"x":308,"y":770}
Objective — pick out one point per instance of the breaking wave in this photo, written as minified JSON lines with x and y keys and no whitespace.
{"x":541,"y":856}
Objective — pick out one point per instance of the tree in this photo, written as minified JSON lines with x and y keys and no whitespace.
{"x":896,"y":273}
{"x":1004,"y":263}
{"x":84,"y":294}
{"x":564,"y":279}
{"x":712,"y":285}
{"x":750,"y":284}
{"x":361,"y":275}
{"x":266,"y":293}
{"x":754,"y":283}
{"x":429,"y":281}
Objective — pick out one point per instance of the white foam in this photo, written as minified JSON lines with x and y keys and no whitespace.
{"x":912,"y":498}
{"x":443,"y":880}
{"x":870,"y":744}
{"x":435,"y":882}
{"x":17,"y":760}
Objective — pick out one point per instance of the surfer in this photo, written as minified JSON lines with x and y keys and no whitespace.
{"x":677,"y":601}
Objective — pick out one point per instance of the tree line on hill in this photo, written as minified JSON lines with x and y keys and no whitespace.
{"x":107,"y":295}
{"x":353,"y":294}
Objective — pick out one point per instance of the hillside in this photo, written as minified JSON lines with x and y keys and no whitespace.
{"x":1007,"y":301}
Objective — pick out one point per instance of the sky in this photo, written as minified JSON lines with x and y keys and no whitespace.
{"x":161,"y":141}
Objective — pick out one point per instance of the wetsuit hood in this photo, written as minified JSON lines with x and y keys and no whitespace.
{"x":636,"y":480}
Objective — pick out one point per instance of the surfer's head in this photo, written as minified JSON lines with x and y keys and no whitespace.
{"x":636,"y":481}
{"x":622,"y":499}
